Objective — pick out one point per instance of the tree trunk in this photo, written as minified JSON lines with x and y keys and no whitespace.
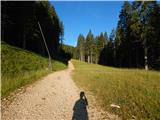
{"x":91,"y":57}
{"x":96,"y":59}
{"x":81,"y":55}
{"x":88,"y":59}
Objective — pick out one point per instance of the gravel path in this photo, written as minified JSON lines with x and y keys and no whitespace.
{"x":51,"y":98}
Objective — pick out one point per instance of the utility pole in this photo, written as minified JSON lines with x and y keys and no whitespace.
{"x":49,"y":56}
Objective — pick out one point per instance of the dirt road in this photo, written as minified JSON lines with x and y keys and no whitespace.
{"x":51,"y":98}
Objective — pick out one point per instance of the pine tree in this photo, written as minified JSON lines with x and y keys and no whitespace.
{"x":150,"y":15}
{"x":81,"y":47}
{"x":122,"y":41}
{"x":89,"y":46}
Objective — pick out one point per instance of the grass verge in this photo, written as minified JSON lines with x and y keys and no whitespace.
{"x":137,"y":92}
{"x":20,"y":67}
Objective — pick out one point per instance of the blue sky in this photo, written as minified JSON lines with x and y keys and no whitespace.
{"x":80,"y":17}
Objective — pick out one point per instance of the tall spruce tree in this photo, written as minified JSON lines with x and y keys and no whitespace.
{"x":89,"y":46}
{"x":81,"y":47}
{"x":123,"y":42}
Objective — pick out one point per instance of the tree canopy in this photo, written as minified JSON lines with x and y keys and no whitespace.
{"x":20,"y":26}
{"x":134,"y":43}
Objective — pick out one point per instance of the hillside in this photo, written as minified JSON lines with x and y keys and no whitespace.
{"x":136,"y":91}
{"x":20,"y":67}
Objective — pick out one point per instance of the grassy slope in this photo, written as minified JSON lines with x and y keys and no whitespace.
{"x":136,"y":91}
{"x":20,"y":67}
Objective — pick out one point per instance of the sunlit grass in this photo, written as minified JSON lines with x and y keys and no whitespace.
{"x":137,"y":92}
{"x":20,"y":67}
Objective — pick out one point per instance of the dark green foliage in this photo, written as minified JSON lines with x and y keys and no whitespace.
{"x":101,"y":40}
{"x":68,"y":52}
{"x":81,"y":47}
{"x":89,"y":49}
{"x":20,"y":26}
{"x":89,"y":46}
{"x":107,"y":55}
{"x":137,"y":36}
{"x":134,"y":44}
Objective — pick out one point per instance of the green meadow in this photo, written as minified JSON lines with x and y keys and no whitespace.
{"x":20,"y":67}
{"x":136,"y":91}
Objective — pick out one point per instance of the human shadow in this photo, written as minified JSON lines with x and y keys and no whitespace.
{"x":80,"y":108}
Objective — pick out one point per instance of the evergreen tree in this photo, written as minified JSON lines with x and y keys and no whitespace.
{"x":150,"y":14}
{"x":81,"y":47}
{"x":89,"y":46}
{"x":107,"y":52}
{"x":134,"y":43}
{"x":20,"y":26}
{"x":136,"y":35}
{"x":123,"y":41}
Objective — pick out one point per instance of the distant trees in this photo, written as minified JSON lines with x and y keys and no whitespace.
{"x":20,"y":26}
{"x":101,"y":41}
{"x":107,"y":53}
{"x":81,"y":47}
{"x":68,"y":52}
{"x":134,"y":43}
{"x":89,"y":48}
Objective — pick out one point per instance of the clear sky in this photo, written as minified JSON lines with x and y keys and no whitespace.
{"x":80,"y":17}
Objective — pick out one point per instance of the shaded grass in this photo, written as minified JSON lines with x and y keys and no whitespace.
{"x":137,"y":92}
{"x":20,"y":67}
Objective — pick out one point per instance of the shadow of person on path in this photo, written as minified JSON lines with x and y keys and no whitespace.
{"x":80,"y":108}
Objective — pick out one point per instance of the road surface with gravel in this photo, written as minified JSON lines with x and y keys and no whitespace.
{"x":51,"y":98}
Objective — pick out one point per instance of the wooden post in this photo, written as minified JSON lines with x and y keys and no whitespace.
{"x":50,"y":63}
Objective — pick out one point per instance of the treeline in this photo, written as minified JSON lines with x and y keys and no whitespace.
{"x":20,"y":26}
{"x":68,"y":51}
{"x":89,"y":48}
{"x":134,"y":43}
